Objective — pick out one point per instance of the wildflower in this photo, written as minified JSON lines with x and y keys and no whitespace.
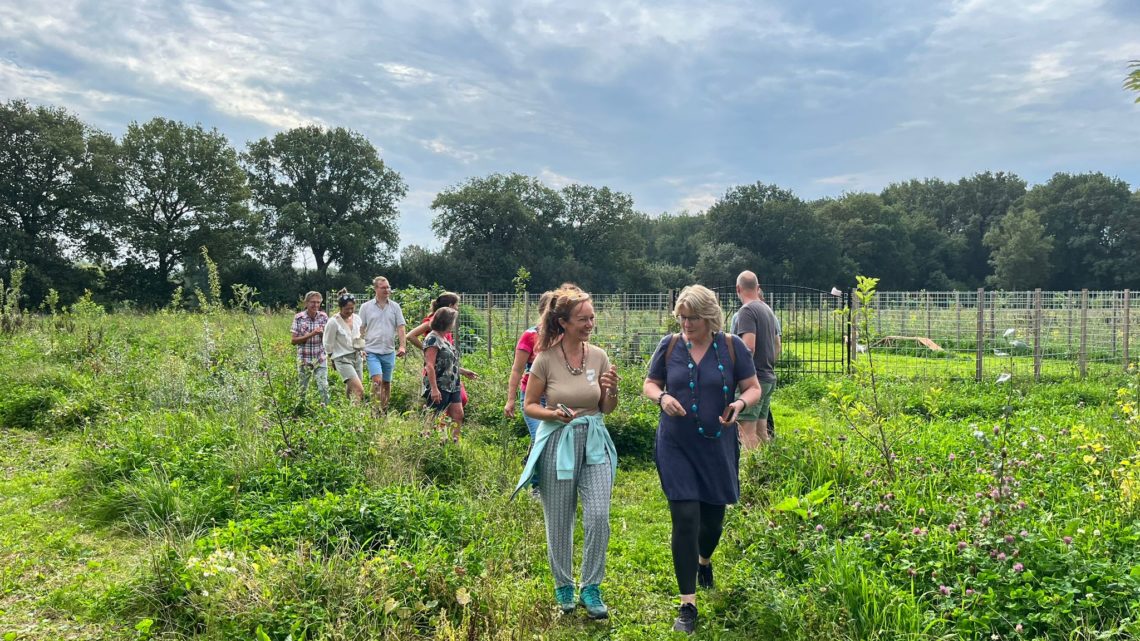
{"x":945,"y":590}
{"x":969,"y":591}
{"x":962,"y":545}
{"x":953,"y":527}
{"x":1021,"y":505}
{"x":997,"y":430}
{"x":1001,"y":556}
{"x":921,"y":511}
{"x":1024,"y":534}
{"x":915,"y":531}
{"x":911,"y":572}
{"x":1017,"y":567}
{"x":1009,"y":538}
{"x":1018,"y":628}
{"x":1068,"y":540}
{"x":819,"y":528}
{"x":952,"y":457}
{"x":978,"y":435}
{"x":867,"y":537}
{"x":1096,"y":532}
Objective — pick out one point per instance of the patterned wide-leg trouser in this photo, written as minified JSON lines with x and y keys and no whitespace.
{"x":594,"y":485}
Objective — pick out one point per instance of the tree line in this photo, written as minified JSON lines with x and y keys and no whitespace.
{"x":126,"y":219}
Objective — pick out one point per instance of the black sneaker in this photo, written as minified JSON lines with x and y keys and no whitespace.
{"x":686,"y":620}
{"x":705,"y":576}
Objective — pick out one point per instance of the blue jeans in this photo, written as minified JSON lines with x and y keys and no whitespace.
{"x":531,"y":423}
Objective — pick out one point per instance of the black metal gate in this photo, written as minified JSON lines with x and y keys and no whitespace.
{"x":813,"y":327}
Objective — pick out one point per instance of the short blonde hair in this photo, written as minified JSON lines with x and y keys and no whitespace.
{"x":379,"y":279}
{"x":701,"y":301}
{"x":314,"y":295}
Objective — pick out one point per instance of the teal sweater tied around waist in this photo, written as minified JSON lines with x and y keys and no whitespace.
{"x":599,"y":447}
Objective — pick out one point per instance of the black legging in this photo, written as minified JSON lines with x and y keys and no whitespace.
{"x":696,"y":531}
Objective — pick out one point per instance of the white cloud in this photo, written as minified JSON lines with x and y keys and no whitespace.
{"x":406,"y":75}
{"x":697,"y":201}
{"x":555,"y":180}
{"x":438,"y":146}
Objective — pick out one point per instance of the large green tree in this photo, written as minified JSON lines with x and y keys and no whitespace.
{"x":497,"y":223}
{"x":1095,"y":221}
{"x":1020,"y":251}
{"x":674,"y":239}
{"x":873,"y":238}
{"x":779,"y":230}
{"x":327,"y":191}
{"x":602,"y":227}
{"x":58,"y":190}
{"x":928,"y":209}
{"x":184,"y":190}
{"x":980,"y":202}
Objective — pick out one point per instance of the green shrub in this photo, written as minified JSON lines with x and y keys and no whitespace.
{"x":366,"y":518}
{"x":27,"y":407}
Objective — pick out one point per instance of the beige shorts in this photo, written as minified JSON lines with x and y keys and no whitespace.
{"x":349,"y":367}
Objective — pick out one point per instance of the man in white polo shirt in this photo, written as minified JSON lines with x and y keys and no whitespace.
{"x":383,"y":328}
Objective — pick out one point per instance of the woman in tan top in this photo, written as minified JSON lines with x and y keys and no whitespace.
{"x":573,"y":453}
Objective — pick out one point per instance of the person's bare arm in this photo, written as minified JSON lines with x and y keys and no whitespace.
{"x":517,"y":369}
{"x":749,"y":342}
{"x":413,"y":336}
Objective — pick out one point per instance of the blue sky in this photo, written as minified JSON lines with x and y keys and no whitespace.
{"x":672,"y":102}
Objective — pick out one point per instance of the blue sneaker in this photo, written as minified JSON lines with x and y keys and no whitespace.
{"x":591,"y":598}
{"x":565,"y":597}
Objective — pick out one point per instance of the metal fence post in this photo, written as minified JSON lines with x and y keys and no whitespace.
{"x":624,"y":316}
{"x":1069,"y":308}
{"x":980,"y":348}
{"x":490,"y":306}
{"x":993,"y":316}
{"x":926,"y":295}
{"x":526,"y":310}
{"x":958,"y":320}
{"x":1037,"y":334}
{"x":853,"y":332}
{"x":1127,"y":324}
{"x":1114,"y":323}
{"x":1082,"y":357}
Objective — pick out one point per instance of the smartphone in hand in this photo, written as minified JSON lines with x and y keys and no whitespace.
{"x":565,"y":411}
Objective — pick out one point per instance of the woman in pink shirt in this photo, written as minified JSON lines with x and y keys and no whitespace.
{"x":525,"y":352}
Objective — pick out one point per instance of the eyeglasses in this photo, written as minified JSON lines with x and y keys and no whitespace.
{"x":692,"y":319}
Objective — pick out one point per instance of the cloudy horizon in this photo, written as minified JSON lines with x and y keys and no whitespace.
{"x":668,"y":101}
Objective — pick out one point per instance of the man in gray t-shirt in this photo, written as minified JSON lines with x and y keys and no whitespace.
{"x":757,"y":326}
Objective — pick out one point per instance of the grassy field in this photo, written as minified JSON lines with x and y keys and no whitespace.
{"x":161,"y":481}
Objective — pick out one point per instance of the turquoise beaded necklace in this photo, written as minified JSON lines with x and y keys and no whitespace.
{"x":694,"y":380}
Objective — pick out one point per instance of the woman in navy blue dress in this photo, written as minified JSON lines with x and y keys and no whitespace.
{"x":694,"y":377}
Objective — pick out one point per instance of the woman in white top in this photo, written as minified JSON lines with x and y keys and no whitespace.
{"x":344,"y":345}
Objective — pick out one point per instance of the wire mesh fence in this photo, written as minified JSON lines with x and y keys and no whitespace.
{"x":922,"y":334}
{"x":963,"y":334}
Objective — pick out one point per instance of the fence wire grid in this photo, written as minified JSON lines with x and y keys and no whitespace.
{"x":921,"y":335}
